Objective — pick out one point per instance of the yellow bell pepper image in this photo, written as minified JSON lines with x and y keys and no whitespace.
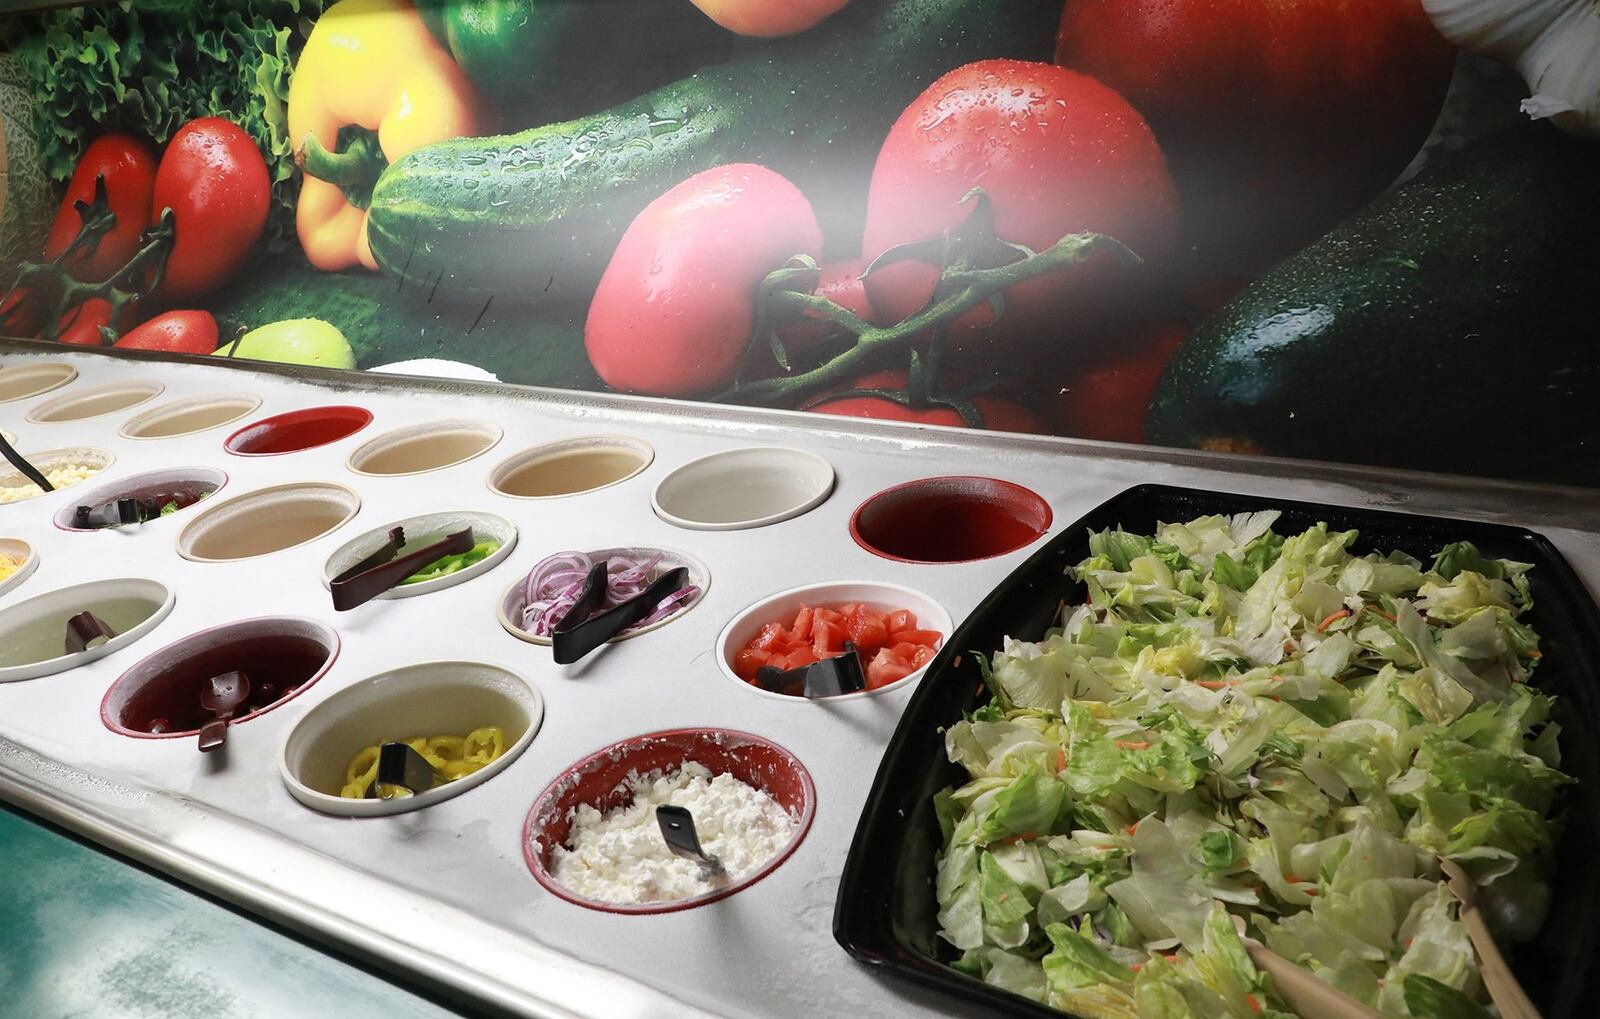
{"x":370,"y":65}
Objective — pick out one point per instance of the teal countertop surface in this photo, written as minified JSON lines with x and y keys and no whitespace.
{"x":84,"y":933}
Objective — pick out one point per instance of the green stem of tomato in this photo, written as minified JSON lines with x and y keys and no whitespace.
{"x":125,"y":285}
{"x":959,"y":291}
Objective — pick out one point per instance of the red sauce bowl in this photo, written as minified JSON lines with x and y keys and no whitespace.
{"x":600,"y":780}
{"x":950,"y":520}
{"x":296,"y":430}
{"x":287,"y":652}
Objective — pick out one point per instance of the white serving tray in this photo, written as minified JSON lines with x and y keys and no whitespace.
{"x":441,"y":895}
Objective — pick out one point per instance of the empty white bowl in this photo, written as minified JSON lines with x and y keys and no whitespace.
{"x":576,"y":466}
{"x":417,"y":449}
{"x":742,"y":488}
{"x":429,"y":699}
{"x":96,"y":401}
{"x":20,"y":381}
{"x":33,"y":633}
{"x":266,"y":521}
{"x":186,"y":417}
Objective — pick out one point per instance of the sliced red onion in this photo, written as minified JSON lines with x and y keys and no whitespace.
{"x":551,"y":588}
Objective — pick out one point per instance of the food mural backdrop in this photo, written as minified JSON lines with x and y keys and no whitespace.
{"x":1359,"y":230}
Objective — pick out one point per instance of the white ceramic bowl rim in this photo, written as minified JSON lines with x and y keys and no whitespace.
{"x":247,"y":402}
{"x":220,"y":515}
{"x":511,"y":600}
{"x":823,"y":476}
{"x":379,"y":444}
{"x":144,"y":390}
{"x":572,"y":444}
{"x":930,"y":615}
{"x":352,"y":698}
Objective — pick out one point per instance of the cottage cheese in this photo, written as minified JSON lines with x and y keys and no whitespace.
{"x":620,"y":856}
{"x":60,"y":475}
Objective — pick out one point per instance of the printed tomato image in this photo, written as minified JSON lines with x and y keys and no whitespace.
{"x":1278,"y":118}
{"x":81,"y":326}
{"x":215,"y":182}
{"x":768,"y":17}
{"x":1109,"y":400}
{"x":994,"y":412}
{"x":674,"y":311}
{"x":129,"y":172}
{"x":1055,"y":153}
{"x":177,"y":332}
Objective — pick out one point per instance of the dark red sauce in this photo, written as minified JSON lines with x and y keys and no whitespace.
{"x":277,"y":665}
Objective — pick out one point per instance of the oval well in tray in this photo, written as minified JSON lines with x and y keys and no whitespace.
{"x":417,"y":449}
{"x":784,"y":606}
{"x":266,"y":521}
{"x":96,"y":401}
{"x":281,"y":655}
{"x":512,"y":601}
{"x":573,"y":466}
{"x":429,"y":699}
{"x":600,"y":781}
{"x":95,"y":459}
{"x":20,"y":381}
{"x":950,"y":520}
{"x":16,"y":548}
{"x":422,"y":531}
{"x":33,"y":633}
{"x":192,"y":483}
{"x":188,"y":416}
{"x":743,"y":488}
{"x":297,"y":430}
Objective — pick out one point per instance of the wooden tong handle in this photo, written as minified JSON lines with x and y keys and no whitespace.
{"x":1504,"y":990}
{"x":1301,"y":989}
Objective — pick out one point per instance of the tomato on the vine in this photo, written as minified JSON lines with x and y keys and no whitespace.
{"x":1278,"y":118}
{"x":1055,"y":152}
{"x":998,"y":413}
{"x":1110,"y":400}
{"x":674,"y":311}
{"x":129,"y":170}
{"x":214,"y":180}
{"x":177,"y":332}
{"x":839,"y":282}
{"x":81,"y":325}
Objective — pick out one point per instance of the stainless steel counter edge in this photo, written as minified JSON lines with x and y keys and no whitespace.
{"x":349,"y":909}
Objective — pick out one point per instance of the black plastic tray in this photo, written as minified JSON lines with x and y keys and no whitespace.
{"x":886,"y":910}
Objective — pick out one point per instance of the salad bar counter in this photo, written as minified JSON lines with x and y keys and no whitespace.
{"x":574,"y":704}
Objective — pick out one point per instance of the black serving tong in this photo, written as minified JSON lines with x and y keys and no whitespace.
{"x":22,"y":465}
{"x":575,"y":636}
{"x":399,"y":764}
{"x":116,"y":513}
{"x":828,"y":678}
{"x":222,"y":696}
{"x":380,"y":571}
{"x":677,"y":829}
{"x":87,"y":630}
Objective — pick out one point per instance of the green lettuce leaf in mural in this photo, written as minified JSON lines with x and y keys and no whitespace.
{"x":150,"y":68}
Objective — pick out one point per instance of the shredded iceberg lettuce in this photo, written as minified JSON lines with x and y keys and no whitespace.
{"x":1242,"y":730}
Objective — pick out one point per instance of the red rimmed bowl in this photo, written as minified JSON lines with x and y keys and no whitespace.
{"x":601,"y":781}
{"x":297,"y":430}
{"x":950,"y":520}
{"x":288,"y":652}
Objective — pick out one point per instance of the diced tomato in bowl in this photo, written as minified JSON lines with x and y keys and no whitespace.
{"x":892,"y":643}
